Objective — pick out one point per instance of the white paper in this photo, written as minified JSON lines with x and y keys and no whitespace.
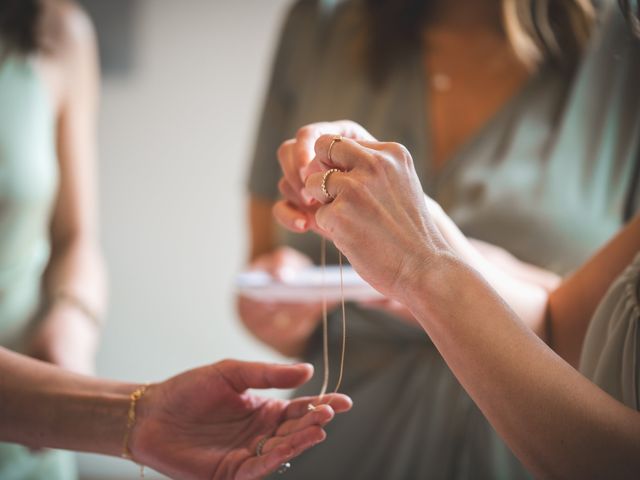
{"x":306,"y":286}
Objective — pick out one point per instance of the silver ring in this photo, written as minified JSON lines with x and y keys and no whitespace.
{"x":260,"y":446}
{"x":283,"y":468}
{"x":334,"y":140}
{"x":325,"y":177}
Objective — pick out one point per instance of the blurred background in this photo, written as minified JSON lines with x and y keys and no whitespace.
{"x":182,"y":89}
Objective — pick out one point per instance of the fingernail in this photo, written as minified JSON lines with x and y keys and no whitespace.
{"x":300,"y":224}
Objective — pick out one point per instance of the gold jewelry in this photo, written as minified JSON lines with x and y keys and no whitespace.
{"x":325,"y":177}
{"x":260,"y":446}
{"x":136,"y":395}
{"x":325,"y":326}
{"x":63,"y":296}
{"x":283,"y":466}
{"x":334,"y":140}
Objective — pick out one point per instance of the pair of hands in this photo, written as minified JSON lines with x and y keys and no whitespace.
{"x":203,"y":424}
{"x":378,"y":216}
{"x":286,"y":327}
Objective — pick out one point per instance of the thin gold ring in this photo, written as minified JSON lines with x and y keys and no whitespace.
{"x":325,"y":177}
{"x":260,"y":446}
{"x":334,"y":140}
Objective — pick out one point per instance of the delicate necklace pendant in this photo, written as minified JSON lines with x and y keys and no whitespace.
{"x":441,"y":82}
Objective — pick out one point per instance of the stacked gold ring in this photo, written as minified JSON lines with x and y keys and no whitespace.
{"x":325,"y":177}
{"x":334,"y":140}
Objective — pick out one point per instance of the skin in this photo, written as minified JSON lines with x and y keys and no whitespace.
{"x":297,"y":211}
{"x":466,"y":42}
{"x":68,"y":66}
{"x":458,"y":39}
{"x":284,"y":326}
{"x":556,"y":421}
{"x":201,"y":424}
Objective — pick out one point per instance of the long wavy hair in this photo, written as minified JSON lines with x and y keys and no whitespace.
{"x":539,"y":30}
{"x":19,"y":25}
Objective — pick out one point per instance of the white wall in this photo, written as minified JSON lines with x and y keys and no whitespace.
{"x":176,"y":136}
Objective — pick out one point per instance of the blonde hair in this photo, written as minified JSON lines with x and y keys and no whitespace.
{"x":548,"y":29}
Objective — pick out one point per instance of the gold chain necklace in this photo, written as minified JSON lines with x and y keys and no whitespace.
{"x":325,"y":322}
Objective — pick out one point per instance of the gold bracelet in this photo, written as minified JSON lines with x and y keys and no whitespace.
{"x":136,"y":395}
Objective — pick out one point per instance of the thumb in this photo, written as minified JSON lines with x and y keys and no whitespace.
{"x":244,"y":375}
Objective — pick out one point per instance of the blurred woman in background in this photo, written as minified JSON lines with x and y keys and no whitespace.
{"x":504,"y":118}
{"x":52,"y":278}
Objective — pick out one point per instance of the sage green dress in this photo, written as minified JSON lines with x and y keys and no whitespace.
{"x":28,"y":186}
{"x":546,"y":179}
{"x":611,"y":352}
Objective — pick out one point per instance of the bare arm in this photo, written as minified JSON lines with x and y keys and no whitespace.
{"x":527,"y":298}
{"x":201,"y":424}
{"x":559,"y":423}
{"x":76,"y":266}
{"x":572,"y":305}
{"x":43,"y":405}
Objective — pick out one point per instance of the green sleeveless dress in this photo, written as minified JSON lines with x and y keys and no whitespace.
{"x":547,"y":178}
{"x":28,"y":186}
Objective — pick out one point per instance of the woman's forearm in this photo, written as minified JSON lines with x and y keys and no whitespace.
{"x":44,"y":406}
{"x":527,"y":299}
{"x":557,"y":422}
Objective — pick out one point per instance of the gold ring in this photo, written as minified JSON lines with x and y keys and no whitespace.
{"x":334,"y":140}
{"x":260,"y":446}
{"x":325,"y":177}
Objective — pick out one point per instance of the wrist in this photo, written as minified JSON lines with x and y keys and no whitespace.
{"x":432,"y":283}
{"x":141,"y":411}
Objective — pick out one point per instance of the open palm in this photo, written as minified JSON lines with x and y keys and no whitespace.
{"x":203,"y":424}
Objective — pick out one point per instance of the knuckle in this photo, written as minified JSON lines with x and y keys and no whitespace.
{"x":381,"y":162}
{"x":368,"y":160}
{"x":323,"y":219}
{"x":351,"y":189}
{"x":400,"y":153}
{"x":282,"y":186}
{"x":283,"y":150}
{"x":340,"y":214}
{"x":304,"y":132}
